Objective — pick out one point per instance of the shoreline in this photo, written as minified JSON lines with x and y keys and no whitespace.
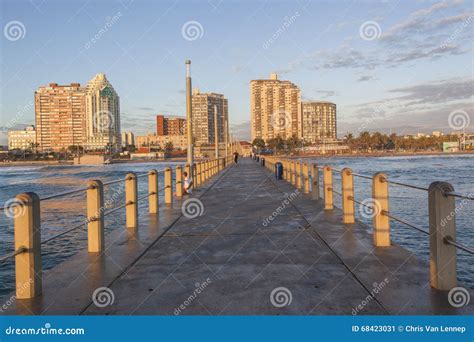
{"x":404,"y":154}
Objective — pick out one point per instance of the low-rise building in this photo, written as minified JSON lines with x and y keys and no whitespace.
{"x":159,"y":141}
{"x":22,"y":140}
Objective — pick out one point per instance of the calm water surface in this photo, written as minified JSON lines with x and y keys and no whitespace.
{"x":412,"y":205}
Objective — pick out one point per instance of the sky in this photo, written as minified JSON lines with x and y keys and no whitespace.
{"x":401,"y":66}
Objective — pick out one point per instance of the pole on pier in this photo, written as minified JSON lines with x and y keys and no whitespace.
{"x":347,"y":187}
{"x":216,"y":134}
{"x":194,"y":175}
{"x":381,"y":222}
{"x":131,"y":200}
{"x":442,"y":220}
{"x":153,"y":199}
{"x":298,"y":175}
{"x":306,"y":178}
{"x":226,"y":137}
{"x":315,"y":185}
{"x":327,"y":184}
{"x":95,"y":217}
{"x":189,"y":114}
{"x":168,"y":186}
{"x":179,"y":181}
{"x":28,"y":265}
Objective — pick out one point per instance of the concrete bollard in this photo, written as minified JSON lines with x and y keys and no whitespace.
{"x":131,"y":200}
{"x":294,"y":173}
{"x":194,"y":176}
{"x":95,"y":217}
{"x":179,"y":181}
{"x":28,"y":265}
{"x":306,"y":178}
{"x":315,"y":179}
{"x":381,"y":222}
{"x":198,"y":174}
{"x":153,"y":198}
{"x":347,"y":187}
{"x":327,"y":184}
{"x":298,"y":175}
{"x":208,"y":169}
{"x":168,"y":186}
{"x":442,"y":220}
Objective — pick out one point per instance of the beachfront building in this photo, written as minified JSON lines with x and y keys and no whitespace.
{"x":60,"y":116}
{"x":157,"y":142}
{"x":275,"y":108}
{"x":203,"y":117}
{"x":102,"y":115}
{"x":170,"y":125}
{"x":128,"y":139}
{"x":22,"y":140}
{"x":319,"y":121}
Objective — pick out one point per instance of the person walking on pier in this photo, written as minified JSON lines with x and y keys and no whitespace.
{"x":188,"y":184}
{"x":236,"y":157}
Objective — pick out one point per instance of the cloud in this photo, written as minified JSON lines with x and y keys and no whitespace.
{"x":241,"y":131}
{"x":365,"y":78}
{"x":146,"y":108}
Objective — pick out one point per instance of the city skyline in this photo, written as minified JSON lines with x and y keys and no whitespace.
{"x":401,"y":66}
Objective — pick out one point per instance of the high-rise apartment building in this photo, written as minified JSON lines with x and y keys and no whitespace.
{"x":275,"y":108}
{"x":319,"y":121}
{"x":128,"y":139}
{"x":60,"y":116}
{"x":203,"y":117}
{"x":170,"y":125}
{"x":22,"y":140}
{"x":102,"y":115}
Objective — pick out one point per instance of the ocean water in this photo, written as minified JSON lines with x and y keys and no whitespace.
{"x":59,"y":214}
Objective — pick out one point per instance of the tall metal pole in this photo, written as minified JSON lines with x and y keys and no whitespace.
{"x":226,"y":138}
{"x":216,"y":135}
{"x":189,"y":110}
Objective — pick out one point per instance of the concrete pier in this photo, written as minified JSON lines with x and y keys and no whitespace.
{"x":255,"y":245}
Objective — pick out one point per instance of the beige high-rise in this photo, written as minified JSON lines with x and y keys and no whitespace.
{"x":60,"y":116}
{"x":275,"y":108}
{"x":102,"y":115}
{"x":319,"y":121}
{"x":203,"y":117}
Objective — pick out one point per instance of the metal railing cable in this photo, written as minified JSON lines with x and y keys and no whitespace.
{"x":450,"y":241}
{"x":12,"y":254}
{"x":409,"y":224}
{"x":407,"y":185}
{"x":459,"y":195}
{"x":66,"y":193}
{"x":65,"y":232}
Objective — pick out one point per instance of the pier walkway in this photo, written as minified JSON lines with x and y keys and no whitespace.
{"x":257,"y":246}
